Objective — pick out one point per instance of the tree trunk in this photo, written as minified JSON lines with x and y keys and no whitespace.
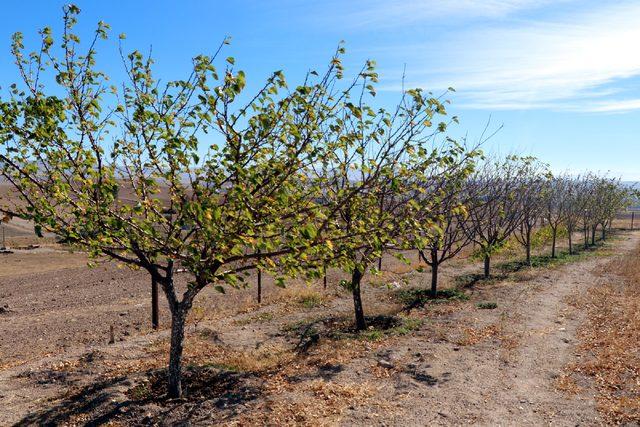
{"x":380,"y":263}
{"x":528,"y":246}
{"x":434,"y":277}
{"x":593,"y":235}
{"x":155,"y":322}
{"x":553,"y":243}
{"x":178,"y":318}
{"x":356,"y":277}
{"x":586,"y":237}
{"x":259,"y":285}
{"x":570,"y":243}
{"x":487,"y":266}
{"x":604,"y":232}
{"x":259,"y":282}
{"x":324,"y":277}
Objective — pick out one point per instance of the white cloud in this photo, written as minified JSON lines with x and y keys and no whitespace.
{"x":403,"y":12}
{"x":574,"y":62}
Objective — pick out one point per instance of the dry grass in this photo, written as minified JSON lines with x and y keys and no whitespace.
{"x":306,"y":297}
{"x":203,"y":352}
{"x":473,"y":336}
{"x":611,"y":341}
{"x":315,"y":403}
{"x":567,"y":383}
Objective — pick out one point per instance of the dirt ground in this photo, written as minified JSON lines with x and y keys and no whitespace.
{"x":293,"y":359}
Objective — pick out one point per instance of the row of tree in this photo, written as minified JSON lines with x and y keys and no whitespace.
{"x":196,"y":174}
{"x":518,"y":200}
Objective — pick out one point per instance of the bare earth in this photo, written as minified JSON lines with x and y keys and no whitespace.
{"x":461,"y":364}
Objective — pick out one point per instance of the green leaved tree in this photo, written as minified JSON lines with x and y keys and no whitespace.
{"x":192,"y":173}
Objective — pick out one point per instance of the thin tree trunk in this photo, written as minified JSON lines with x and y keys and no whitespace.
{"x":553,"y":242}
{"x":155,"y":322}
{"x":356,"y":278}
{"x":179,"y":312}
{"x":324,"y":277}
{"x":593,"y":235}
{"x":175,"y":353}
{"x":586,"y":237}
{"x":570,"y":243}
{"x":434,"y":277}
{"x":604,"y":232}
{"x":380,"y":263}
{"x":528,"y":246}
{"x":259,"y":285}
{"x":487,"y":266}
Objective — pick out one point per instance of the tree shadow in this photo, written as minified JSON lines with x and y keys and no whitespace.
{"x":209,"y":394}
{"x":419,"y":297}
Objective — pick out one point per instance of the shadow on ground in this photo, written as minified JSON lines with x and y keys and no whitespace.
{"x":210,"y":394}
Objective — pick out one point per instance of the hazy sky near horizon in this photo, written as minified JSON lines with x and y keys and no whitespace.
{"x":562,"y":77}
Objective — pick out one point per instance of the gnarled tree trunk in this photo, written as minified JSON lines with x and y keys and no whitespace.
{"x":178,"y":319}
{"x":356,"y":278}
{"x":528,"y":246}
{"x":570,"y":242}
{"x":434,"y":277}
{"x":487,"y":266}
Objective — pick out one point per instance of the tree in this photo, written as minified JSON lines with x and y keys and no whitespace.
{"x":556,"y":202}
{"x":127,"y":174}
{"x":446,"y":207}
{"x":379,"y":159}
{"x":495,"y":188}
{"x":575,"y":207}
{"x":532,"y":184}
{"x":587,"y":201}
{"x":610,"y":197}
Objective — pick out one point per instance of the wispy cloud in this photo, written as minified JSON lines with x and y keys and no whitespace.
{"x":579,"y":61}
{"x":387,"y":13}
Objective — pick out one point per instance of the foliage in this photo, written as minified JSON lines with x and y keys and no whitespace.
{"x":418,"y":297}
{"x":487,"y":305}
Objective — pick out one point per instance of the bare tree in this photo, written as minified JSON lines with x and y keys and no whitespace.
{"x":556,"y":204}
{"x":532,"y":183}
{"x":496,"y":189}
{"x":575,"y":199}
{"x":446,"y":207}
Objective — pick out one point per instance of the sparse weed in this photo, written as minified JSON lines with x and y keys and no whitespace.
{"x":485,"y":305}
{"x":418,"y":297}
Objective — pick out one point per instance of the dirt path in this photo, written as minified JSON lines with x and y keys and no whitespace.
{"x":462,"y":365}
{"x":549,"y":329}
{"x":502,"y":369}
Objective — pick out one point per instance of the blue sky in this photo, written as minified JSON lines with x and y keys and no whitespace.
{"x":562,"y":76}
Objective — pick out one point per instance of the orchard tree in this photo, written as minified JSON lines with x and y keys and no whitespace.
{"x":575,"y":199}
{"x":556,"y":204}
{"x":379,"y":158}
{"x":441,"y":235}
{"x":532,"y":184}
{"x":611,"y":197}
{"x":589,"y":207}
{"x":190,"y":173}
{"x":495,"y":188}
